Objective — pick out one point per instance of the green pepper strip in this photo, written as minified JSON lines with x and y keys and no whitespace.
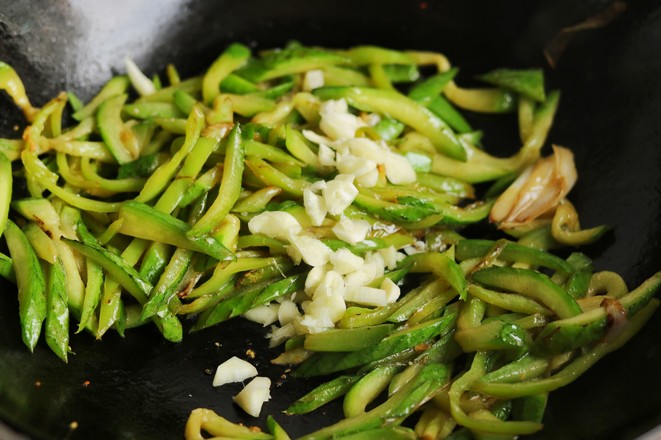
{"x":152,"y":109}
{"x":232,"y":58}
{"x":299,"y":148}
{"x":492,"y":335}
{"x":95,"y":279}
{"x":31,"y":284}
{"x":92,"y":149}
{"x":11,"y":148}
{"x":327,"y":363}
{"x":257,"y":201}
{"x":40,"y":242}
{"x":434,"y":423}
{"x":5,"y":190}
{"x":512,"y":253}
{"x":432,"y":86}
{"x":399,"y":406}
{"x":531,"y":284}
{"x":253,"y":296}
{"x":323,"y":394}
{"x":7,"y":268}
{"x":379,"y":76}
{"x":57,"y":316}
{"x":525,"y":368}
{"x":48,"y":179}
{"x":116,"y":266}
{"x":481,"y":100}
{"x":463,"y":384}
{"x":482,"y":167}
{"x":143,"y":221}
{"x":162,"y":176}
{"x":11,"y":83}
{"x":367,"y":389}
{"x":566,"y":334}
{"x":33,"y":134}
{"x":288,"y":61}
{"x":71,"y":177}
{"x":270,"y":153}
{"x":168,"y":283}
{"x":347,"y":339}
{"x":526,"y":113}
{"x":565,"y":227}
{"x":508,"y":301}
{"x":186,"y":177}
{"x":406,"y":110}
{"x":270,"y":176}
{"x":440,"y":265}
{"x":230,"y":187}
{"x":115,"y":86}
{"x":192,"y":86}
{"x":112,"y":129}
{"x":129,"y":184}
{"x":574,"y":370}
{"x":364,"y":55}
{"x":418,"y":298}
{"x":527,"y":82}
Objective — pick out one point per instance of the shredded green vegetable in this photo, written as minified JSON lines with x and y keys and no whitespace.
{"x":303,"y":188}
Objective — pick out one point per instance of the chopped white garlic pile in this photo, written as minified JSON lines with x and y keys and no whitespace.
{"x":337,"y":278}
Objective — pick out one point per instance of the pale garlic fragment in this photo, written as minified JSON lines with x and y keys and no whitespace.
{"x":537,"y":191}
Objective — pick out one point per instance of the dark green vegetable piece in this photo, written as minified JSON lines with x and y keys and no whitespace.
{"x":346,"y":339}
{"x":323,"y":394}
{"x":567,"y":334}
{"x":389,"y":128}
{"x":530,"y":283}
{"x":116,"y":267}
{"x":143,"y":221}
{"x":512,"y":252}
{"x":32,"y":302}
{"x":530,"y":407}
{"x":440,"y":265}
{"x":57,"y":316}
{"x":494,"y":335}
{"x":7,"y":268}
{"x":229,"y":191}
{"x":143,"y":166}
{"x":444,"y":110}
{"x":395,"y":342}
{"x":576,"y":368}
{"x":527,"y":82}
{"x":168,"y":283}
{"x":432,"y":86}
{"x":399,"y":406}
{"x":233,"y":83}
{"x":401,"y":73}
{"x":249,"y":298}
{"x":293,"y":59}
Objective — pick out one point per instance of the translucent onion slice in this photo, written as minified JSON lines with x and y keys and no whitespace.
{"x":537,"y":191}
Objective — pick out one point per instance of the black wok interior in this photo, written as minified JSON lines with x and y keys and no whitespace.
{"x":143,"y":387}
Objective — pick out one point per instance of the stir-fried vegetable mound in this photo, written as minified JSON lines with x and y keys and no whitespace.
{"x":324,"y":194}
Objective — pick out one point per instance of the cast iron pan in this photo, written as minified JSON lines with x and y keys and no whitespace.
{"x":142,"y":387}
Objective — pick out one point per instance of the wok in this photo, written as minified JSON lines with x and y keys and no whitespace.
{"x":142,"y":387}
